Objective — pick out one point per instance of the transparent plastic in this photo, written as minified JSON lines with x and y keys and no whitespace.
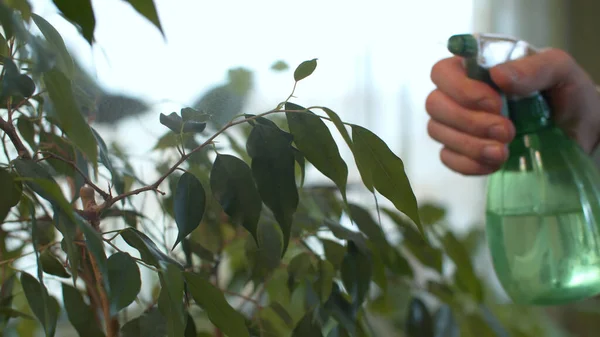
{"x":543,"y":207}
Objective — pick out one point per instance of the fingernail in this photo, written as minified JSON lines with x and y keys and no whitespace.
{"x":498,"y":132}
{"x":488,"y":105}
{"x":493,"y":153}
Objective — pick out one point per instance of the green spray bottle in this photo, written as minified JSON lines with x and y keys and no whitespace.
{"x":543,"y":205}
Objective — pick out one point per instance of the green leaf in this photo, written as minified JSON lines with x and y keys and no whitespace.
{"x":150,"y":324}
{"x":367,"y":225}
{"x":81,"y":13}
{"x":69,"y":231}
{"x":305,"y":69}
{"x":80,"y":314}
{"x":22,"y":6}
{"x":219,"y":311}
{"x":25,"y":127}
{"x":356,"y":274}
{"x":381,"y":169}
{"x":314,"y":140}
{"x":104,"y":154}
{"x":44,"y":307}
{"x":324,"y":282}
{"x":334,"y":252}
{"x":11,"y":192}
{"x":190,"y":327}
{"x":189,"y":205}
{"x":341,"y":310}
{"x":176,"y":124}
{"x":279,"y":66}
{"x":300,"y":160}
{"x":418,"y":321}
{"x":473,"y":325}
{"x":3,"y":46}
{"x":307,"y":326}
{"x":265,"y":256}
{"x":51,"y":265}
{"x":344,"y":233}
{"x":6,"y":297}
{"x":64,"y":61}
{"x":273,"y":169}
{"x":12,"y":313}
{"x":466,"y":279}
{"x":170,"y":301}
{"x":70,"y":119}
{"x":431,"y":213}
{"x":233,"y":187}
{"x":124,"y":279}
{"x":147,"y":9}
{"x":149,"y":252}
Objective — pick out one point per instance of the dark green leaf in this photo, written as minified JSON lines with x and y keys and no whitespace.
{"x":189,"y":205}
{"x":12,"y":313}
{"x":273,"y":322}
{"x":431,"y":213}
{"x":307,"y":327}
{"x":70,"y":119}
{"x":147,"y":9}
{"x":6,"y":297}
{"x":57,"y":44}
{"x":334,"y":252}
{"x":381,"y":169}
{"x":148,"y":250}
{"x":273,"y":170}
{"x":10,"y":80}
{"x":193,"y":115}
{"x":7,"y":19}
{"x":125,"y":281}
{"x":418,"y":321}
{"x":82,"y":174}
{"x":176,"y":124}
{"x":314,"y":140}
{"x":43,"y":306}
{"x":80,"y":314}
{"x":305,"y":69}
{"x":324,"y":282}
{"x":51,"y":265}
{"x":265,"y":256}
{"x":81,"y":13}
{"x":299,"y":157}
{"x":342,"y":311}
{"x":22,"y":6}
{"x":344,"y":233}
{"x":199,"y":250}
{"x":25,"y":127}
{"x":367,"y":225}
{"x":233,"y":187}
{"x":466,"y":279}
{"x":219,"y":311}
{"x":69,"y":231}
{"x":3,"y":46}
{"x":300,"y":267}
{"x":104,"y":154}
{"x":190,"y":327}
{"x":338,"y":331}
{"x":473,"y":325}
{"x":150,"y":324}
{"x":11,"y":192}
{"x":357,"y":271}
{"x":279,"y":66}
{"x":170,"y":301}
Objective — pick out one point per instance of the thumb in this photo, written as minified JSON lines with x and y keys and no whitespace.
{"x":545,"y":70}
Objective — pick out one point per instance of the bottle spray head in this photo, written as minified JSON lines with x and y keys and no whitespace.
{"x":489,"y":50}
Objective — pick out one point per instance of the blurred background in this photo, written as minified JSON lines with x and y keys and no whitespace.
{"x":374,"y":61}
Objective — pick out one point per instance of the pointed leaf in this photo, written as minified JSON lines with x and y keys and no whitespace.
{"x":189,"y":205}
{"x":299,"y":157}
{"x":57,"y":44}
{"x":219,"y":311}
{"x":307,"y":327}
{"x":70,"y":119}
{"x":233,"y":187}
{"x":51,"y":265}
{"x":80,"y":314}
{"x":125,"y":281}
{"x":381,"y":169}
{"x":150,"y":324}
{"x":305,"y":69}
{"x":314,"y":140}
{"x":273,"y":170}
{"x":81,"y":13}
{"x":170,"y":301}
{"x":466,"y":279}
{"x":356,"y":273}
{"x":147,"y":9}
{"x":149,"y":252}
{"x":11,"y":192}
{"x":44,"y":307}
{"x":104,"y":154}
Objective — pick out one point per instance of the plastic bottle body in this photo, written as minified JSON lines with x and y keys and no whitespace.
{"x":543,"y":220}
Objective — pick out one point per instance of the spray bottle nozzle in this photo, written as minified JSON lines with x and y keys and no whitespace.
{"x":464,"y":45}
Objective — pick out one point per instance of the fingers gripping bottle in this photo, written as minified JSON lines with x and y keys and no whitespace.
{"x":543,"y":205}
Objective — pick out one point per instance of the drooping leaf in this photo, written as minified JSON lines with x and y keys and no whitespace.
{"x":11,"y":192}
{"x":149,"y":252}
{"x":150,"y":324}
{"x":80,"y":314}
{"x":44,"y":306}
{"x":125,"y":281}
{"x":219,"y":311}
{"x":419,"y":322}
{"x":273,"y":170}
{"x":170,"y":301}
{"x":81,"y":13}
{"x":190,"y":327}
{"x":147,"y":9}
{"x":189,"y":205}
{"x":64,"y":61}
{"x":70,"y":119}
{"x":367,"y":225}
{"x":307,"y":327}
{"x":301,"y":161}
{"x":305,"y":69}
{"x":314,"y":140}
{"x":51,"y":265}
{"x":465,"y":276}
{"x":381,"y":169}
{"x":357,"y":272}
{"x":104,"y":154}
{"x":233,"y":187}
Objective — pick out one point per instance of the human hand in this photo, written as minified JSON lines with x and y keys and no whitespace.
{"x":465,"y":113}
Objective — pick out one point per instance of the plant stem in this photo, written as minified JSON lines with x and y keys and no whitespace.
{"x":10,"y":131}
{"x":112,"y":325}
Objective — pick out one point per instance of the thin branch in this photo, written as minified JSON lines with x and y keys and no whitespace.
{"x":100,"y":191}
{"x":10,"y":131}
